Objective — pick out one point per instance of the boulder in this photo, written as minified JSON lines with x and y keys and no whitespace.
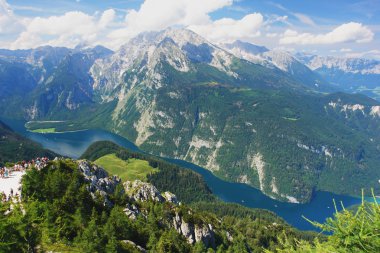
{"x":170,"y":197}
{"x":134,"y":245}
{"x":194,"y":233}
{"x":99,"y":180}
{"x":131,"y":211}
{"x":141,"y":191}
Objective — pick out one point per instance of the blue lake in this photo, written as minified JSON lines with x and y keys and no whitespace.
{"x":73,"y":144}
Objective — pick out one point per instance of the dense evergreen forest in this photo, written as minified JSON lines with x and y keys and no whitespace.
{"x":58,"y":213}
{"x":75,"y":206}
{"x":14,"y":147}
{"x":187,"y":185}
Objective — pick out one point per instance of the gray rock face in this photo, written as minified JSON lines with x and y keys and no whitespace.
{"x":137,"y":247}
{"x":194,"y":233}
{"x":229,"y":237}
{"x":141,"y":191}
{"x":100,"y":182}
{"x":132,"y":211}
{"x":170,"y":197}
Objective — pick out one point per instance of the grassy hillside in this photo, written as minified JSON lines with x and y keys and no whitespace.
{"x":186,"y":184}
{"x":59,"y":214}
{"x":131,"y":169}
{"x":14,"y":147}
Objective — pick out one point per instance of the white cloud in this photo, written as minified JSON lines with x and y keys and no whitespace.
{"x":27,"y":8}
{"x":227,"y":29}
{"x":8,"y":21}
{"x":107,"y":18}
{"x":274,"y":19}
{"x":106,"y":28}
{"x":155,"y":15}
{"x":349,"y":32}
{"x":113,"y":28}
{"x":271,"y":35}
{"x":304,"y":18}
{"x":67,"y":30}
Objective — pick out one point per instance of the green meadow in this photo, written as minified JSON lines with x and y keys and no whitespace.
{"x":130,"y":169}
{"x":44,"y":130}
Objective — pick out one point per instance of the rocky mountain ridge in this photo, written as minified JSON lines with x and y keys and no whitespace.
{"x":280,"y":59}
{"x":175,"y":94}
{"x":103,"y":185}
{"x":346,"y":64}
{"x":353,"y":75}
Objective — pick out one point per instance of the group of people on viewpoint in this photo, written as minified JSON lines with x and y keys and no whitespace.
{"x":6,"y":172}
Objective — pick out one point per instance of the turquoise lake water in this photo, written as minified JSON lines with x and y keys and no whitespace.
{"x":73,"y":144}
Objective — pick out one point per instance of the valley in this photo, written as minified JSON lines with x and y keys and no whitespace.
{"x":15,"y":147}
{"x":74,"y":144}
{"x":189,"y":126}
{"x":175,"y":94}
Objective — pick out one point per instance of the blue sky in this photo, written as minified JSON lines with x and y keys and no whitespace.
{"x":339,"y":27}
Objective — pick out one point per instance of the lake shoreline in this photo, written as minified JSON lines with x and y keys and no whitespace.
{"x":73,"y":144}
{"x":62,"y":132}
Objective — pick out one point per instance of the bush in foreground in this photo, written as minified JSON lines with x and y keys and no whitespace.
{"x":351,"y":231}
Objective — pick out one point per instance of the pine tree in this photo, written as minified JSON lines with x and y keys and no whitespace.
{"x":90,"y":240}
{"x":172,"y":242}
{"x":112,"y":245}
{"x":199,"y":247}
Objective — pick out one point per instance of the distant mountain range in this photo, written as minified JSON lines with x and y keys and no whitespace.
{"x":328,"y":73}
{"x":47,"y":80}
{"x":265,"y":118}
{"x":279,"y":59}
{"x":352,"y":75}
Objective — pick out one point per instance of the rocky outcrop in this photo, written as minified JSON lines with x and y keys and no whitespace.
{"x":170,"y":197}
{"x":194,"y":232}
{"x":131,"y":211}
{"x":100,"y":182}
{"x":134,"y":245}
{"x":142,"y":192}
{"x":229,"y":237}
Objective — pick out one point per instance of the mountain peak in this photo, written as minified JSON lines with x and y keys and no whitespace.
{"x":184,"y":45}
{"x":246,"y":46}
{"x":181,"y":36}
